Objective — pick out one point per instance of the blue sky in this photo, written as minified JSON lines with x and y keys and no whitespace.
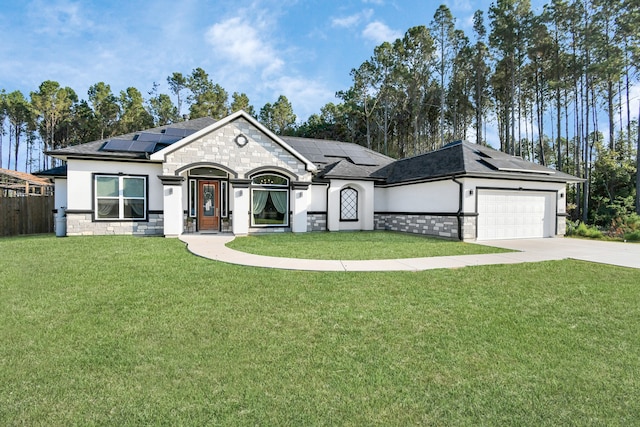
{"x":302,"y":49}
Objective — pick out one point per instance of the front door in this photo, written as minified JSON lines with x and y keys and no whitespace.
{"x":209,"y":211}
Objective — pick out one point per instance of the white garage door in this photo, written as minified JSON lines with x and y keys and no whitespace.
{"x":506,"y":214}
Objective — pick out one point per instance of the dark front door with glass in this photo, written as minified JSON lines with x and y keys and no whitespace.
{"x":209,"y":211}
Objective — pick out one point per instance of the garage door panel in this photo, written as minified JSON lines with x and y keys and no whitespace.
{"x":504,"y":214}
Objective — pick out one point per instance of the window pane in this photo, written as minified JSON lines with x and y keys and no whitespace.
{"x":269,"y":207}
{"x":209,"y":200}
{"x":133,"y":187}
{"x":270,"y":180}
{"x":192,"y":198}
{"x":223,"y":201}
{"x":107,"y":208}
{"x":133,"y":208}
{"x":107,"y":186}
{"x":348,"y":204}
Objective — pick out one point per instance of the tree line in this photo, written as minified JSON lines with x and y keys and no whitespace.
{"x":54,"y":117}
{"x":556,"y":87}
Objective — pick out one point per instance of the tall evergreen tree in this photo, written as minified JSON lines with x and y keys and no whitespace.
{"x":442,"y":30}
{"x":19,"y":113}
{"x":105,"y":108}
{"x":52,"y":105}
{"x":240,"y":101}
{"x":177,"y":83}
{"x":207,"y":98}
{"x":480,"y":74}
{"x":134,"y":116}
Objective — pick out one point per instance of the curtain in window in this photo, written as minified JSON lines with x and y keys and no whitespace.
{"x":107,"y":208}
{"x":279,"y":199}
{"x":259,"y":201}
{"x":134,"y":208}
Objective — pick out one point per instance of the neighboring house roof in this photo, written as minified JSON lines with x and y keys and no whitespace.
{"x":11,"y":176}
{"x":462,"y":158}
{"x":14,"y":183}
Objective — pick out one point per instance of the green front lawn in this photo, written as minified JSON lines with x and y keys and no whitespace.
{"x":137,"y":331}
{"x":356,"y":245}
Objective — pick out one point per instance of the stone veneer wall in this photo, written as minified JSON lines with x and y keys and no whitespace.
{"x":562,"y":225}
{"x":81,"y":224}
{"x":433,"y":225}
{"x":219,"y":147}
{"x":469,"y":226}
{"x":316,"y":222}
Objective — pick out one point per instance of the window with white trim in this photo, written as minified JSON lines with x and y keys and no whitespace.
{"x":193,"y":197}
{"x":269,"y":201}
{"x":120,"y":197}
{"x":348,"y":204}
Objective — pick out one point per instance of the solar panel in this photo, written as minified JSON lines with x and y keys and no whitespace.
{"x":508,"y":165}
{"x":178,"y":132}
{"x":117,"y":145}
{"x":142,"y":147}
{"x":129,"y":146}
{"x":146,"y":136}
{"x":363,"y":160}
{"x":168,"y":139}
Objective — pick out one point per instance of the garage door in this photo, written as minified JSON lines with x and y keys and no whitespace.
{"x":515,"y":214}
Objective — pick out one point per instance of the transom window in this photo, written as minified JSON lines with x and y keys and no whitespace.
{"x":269,"y":201}
{"x":348,"y":204}
{"x":120,"y":197}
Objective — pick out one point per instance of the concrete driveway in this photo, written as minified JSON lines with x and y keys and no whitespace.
{"x":530,"y":250}
{"x":614,"y":253}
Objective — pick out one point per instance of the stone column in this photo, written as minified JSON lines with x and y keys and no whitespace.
{"x":299,"y":205}
{"x":241,"y":207}
{"x":172,"y":197}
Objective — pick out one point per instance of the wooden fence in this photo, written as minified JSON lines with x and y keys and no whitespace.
{"x":26,"y":215}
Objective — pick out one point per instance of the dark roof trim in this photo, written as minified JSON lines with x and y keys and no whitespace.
{"x":240,"y":183}
{"x":276,"y":169}
{"x":190,"y":166}
{"x":171,"y":179}
{"x":500,"y":176}
{"x":111,"y":159}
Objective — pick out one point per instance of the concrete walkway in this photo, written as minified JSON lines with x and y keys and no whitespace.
{"x":212,"y":246}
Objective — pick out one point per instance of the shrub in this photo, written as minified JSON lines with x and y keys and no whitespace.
{"x":633,"y":236}
{"x":585,"y":230}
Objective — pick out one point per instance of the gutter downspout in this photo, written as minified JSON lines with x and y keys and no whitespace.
{"x":459,"y":213}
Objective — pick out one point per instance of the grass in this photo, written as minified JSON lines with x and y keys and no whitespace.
{"x":360,"y":245}
{"x":136,"y":331}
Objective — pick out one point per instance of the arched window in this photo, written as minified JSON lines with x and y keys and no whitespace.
{"x":269,"y":201}
{"x":348,"y":204}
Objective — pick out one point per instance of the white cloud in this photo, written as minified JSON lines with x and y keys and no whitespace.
{"x":304,"y":94}
{"x":379,"y":32}
{"x":239,"y":42}
{"x":352,"y":20}
{"x":62,"y":17}
{"x":460,"y":5}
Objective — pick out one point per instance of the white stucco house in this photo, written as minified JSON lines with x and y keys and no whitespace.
{"x":236,"y":176}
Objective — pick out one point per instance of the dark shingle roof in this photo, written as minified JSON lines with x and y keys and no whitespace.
{"x":461,"y":158}
{"x":336,"y":159}
{"x":53,"y":172}
{"x":95,"y":149}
